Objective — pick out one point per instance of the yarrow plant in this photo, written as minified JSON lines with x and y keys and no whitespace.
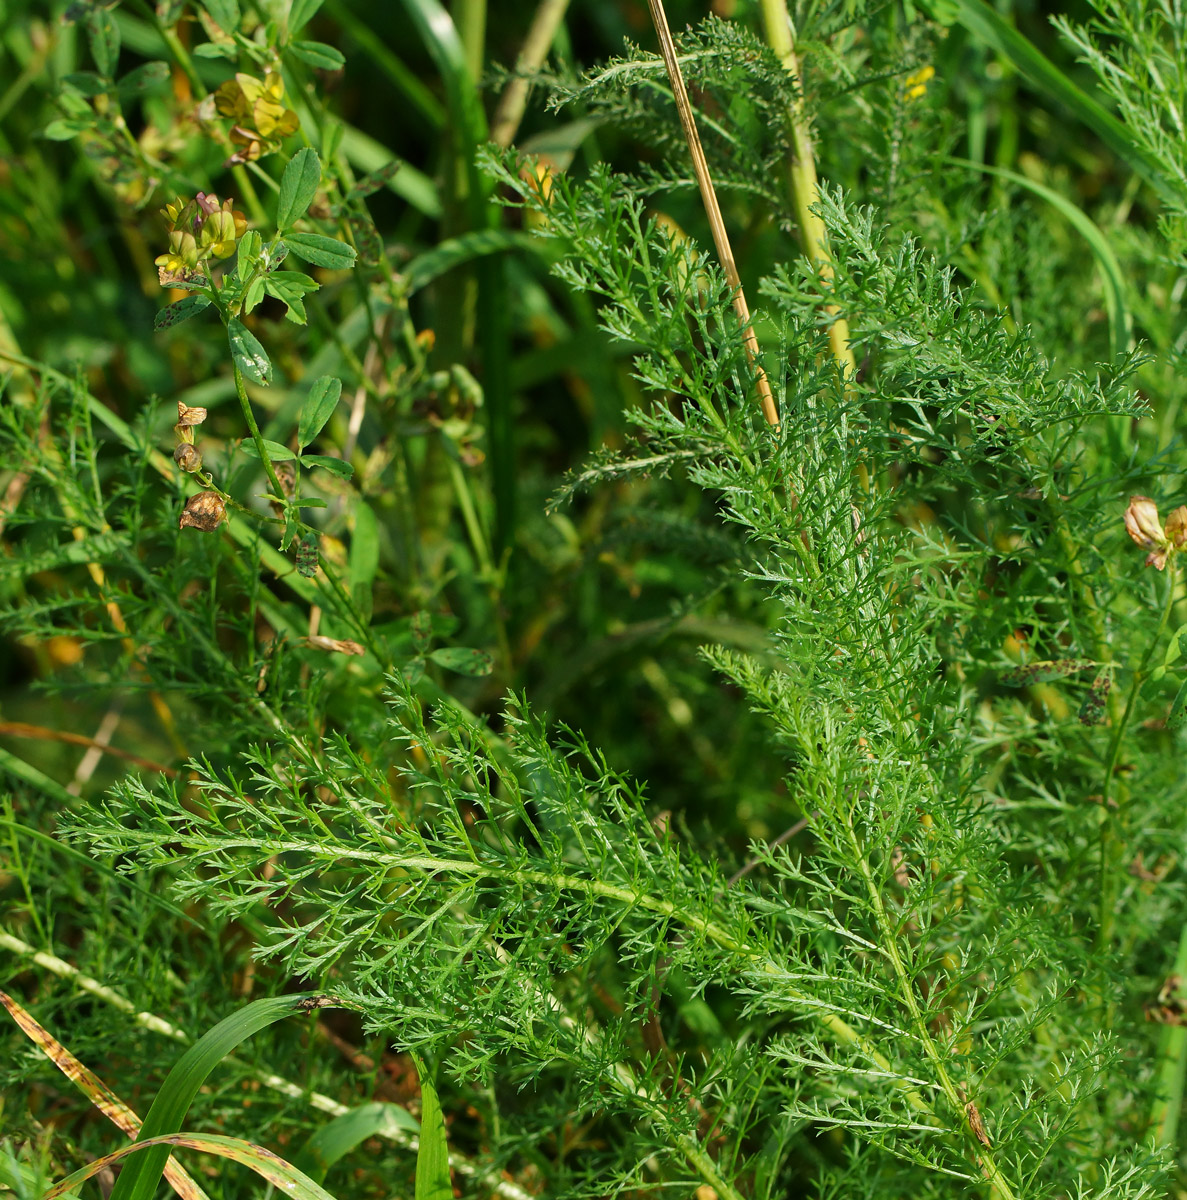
{"x":947,"y":955}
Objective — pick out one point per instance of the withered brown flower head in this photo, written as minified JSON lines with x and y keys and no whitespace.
{"x":204,"y":511}
{"x":1142,"y":522}
{"x":190,"y":416}
{"x":187,"y":458}
{"x":1176,"y":526}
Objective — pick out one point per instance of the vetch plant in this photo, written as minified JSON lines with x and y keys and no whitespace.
{"x":203,"y":231}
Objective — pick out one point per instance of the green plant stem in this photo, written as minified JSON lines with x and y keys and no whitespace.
{"x":256,"y":436}
{"x":889,"y":932}
{"x":1112,"y":841}
{"x":360,"y":627}
{"x":514,"y":100}
{"x":474,"y":528}
{"x":16,"y":865}
{"x":802,"y":182}
{"x":471,"y":26}
{"x":1168,"y":1103}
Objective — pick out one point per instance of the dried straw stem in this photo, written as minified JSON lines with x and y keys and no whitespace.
{"x":712,"y":208}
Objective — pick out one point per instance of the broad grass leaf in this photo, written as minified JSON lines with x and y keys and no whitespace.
{"x":140,"y":1176}
{"x":341,"y":1135}
{"x":364,"y":556}
{"x":275,"y":1170}
{"x":1120,"y":320}
{"x":432,"y":1158}
{"x":99,"y":1094}
{"x":984,"y":23}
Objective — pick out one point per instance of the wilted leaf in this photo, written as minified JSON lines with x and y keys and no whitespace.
{"x":180,"y":310}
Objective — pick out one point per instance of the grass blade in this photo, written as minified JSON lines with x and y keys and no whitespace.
{"x":1120,"y":320}
{"x":138,"y":1180}
{"x":281,"y":1174}
{"x":432,"y":1159}
{"x":99,"y":1094}
{"x":1172,"y":1054}
{"x":440,"y":36}
{"x":981,"y":21}
{"x":453,"y":252}
{"x":428,"y":107}
{"x":344,"y":1133}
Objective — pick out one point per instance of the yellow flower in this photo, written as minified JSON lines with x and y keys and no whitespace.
{"x":915,"y":86}
{"x":261,"y":120}
{"x":199,"y":229}
{"x":218,"y":233}
{"x":181,"y":261}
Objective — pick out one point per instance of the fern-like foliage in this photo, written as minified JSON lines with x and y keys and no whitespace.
{"x":935,"y":966}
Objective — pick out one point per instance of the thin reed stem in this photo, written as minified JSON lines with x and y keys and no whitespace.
{"x":712,"y":208}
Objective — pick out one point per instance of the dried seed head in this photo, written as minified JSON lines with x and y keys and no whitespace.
{"x":1142,"y":523}
{"x":333,"y":645}
{"x":187,"y":458}
{"x":1176,"y":526}
{"x":205,"y":511}
{"x":189,"y":416}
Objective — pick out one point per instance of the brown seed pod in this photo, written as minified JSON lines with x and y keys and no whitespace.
{"x":187,"y":458}
{"x":205,"y":511}
{"x":333,"y":645}
{"x":190,"y":416}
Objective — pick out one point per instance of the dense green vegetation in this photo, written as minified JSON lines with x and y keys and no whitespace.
{"x":479,"y":716}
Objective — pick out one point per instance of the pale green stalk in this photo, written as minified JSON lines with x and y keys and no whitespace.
{"x":801,"y":175}
{"x":514,"y":100}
